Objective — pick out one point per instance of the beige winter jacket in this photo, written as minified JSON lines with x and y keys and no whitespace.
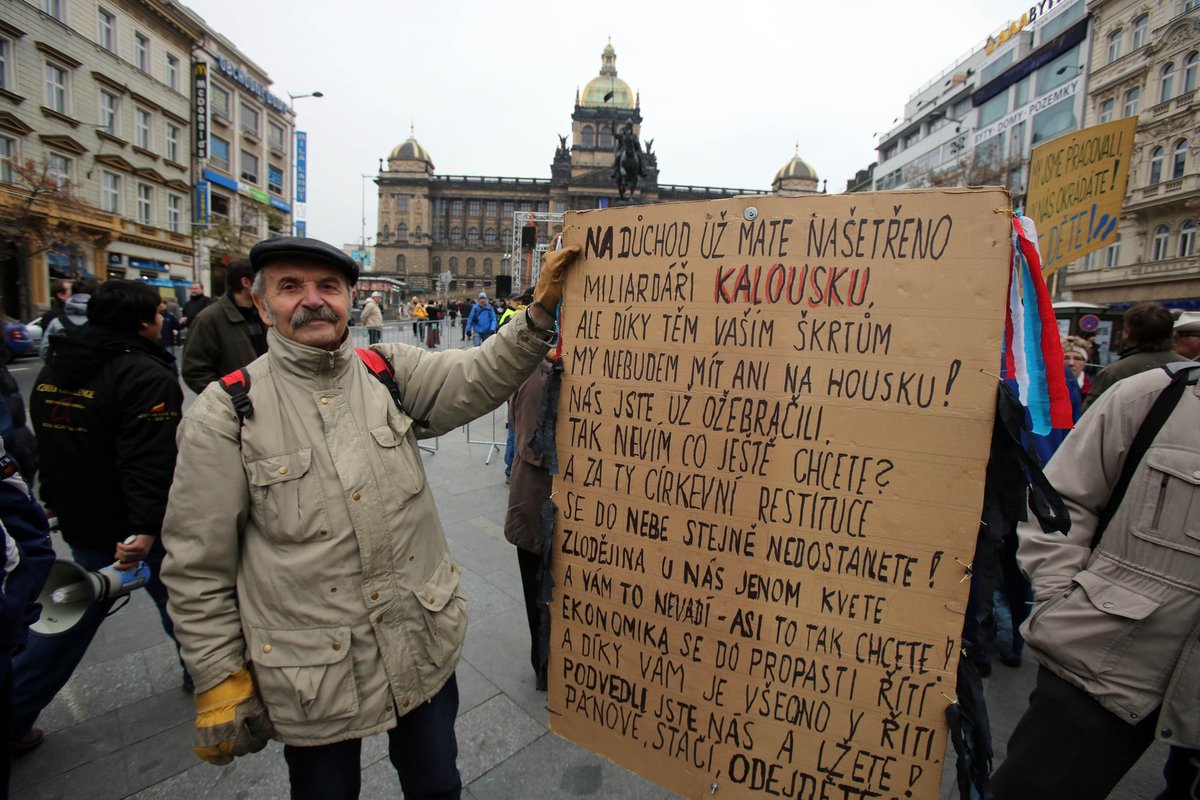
{"x":1123,"y":622}
{"x":307,"y":542}
{"x":371,"y":316}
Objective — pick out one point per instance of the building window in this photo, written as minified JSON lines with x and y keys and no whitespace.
{"x":1106,"y":110}
{"x":174,"y":213}
{"x":56,"y":9}
{"x":141,"y":128}
{"x":1016,"y":141}
{"x":56,"y":87}
{"x":172,"y":142}
{"x":456,"y":235}
{"x":274,"y":179}
{"x":1179,"y":159}
{"x":145,"y":203}
{"x":490,"y":208}
{"x":249,"y":119}
{"x":1056,"y":119}
{"x":1112,"y":252}
{"x":439,"y":231}
{"x":402,"y":203}
{"x":1059,"y":71}
{"x":1132,"y":97}
{"x":487,"y":266}
{"x":275,"y":136}
{"x":218,"y":152}
{"x":59,"y":168}
{"x":489,"y":236}
{"x":606,"y":138}
{"x":1187,"y":239}
{"x":110,"y":192}
{"x":470,"y":266}
{"x":108,"y":112}
{"x":473,"y":208}
{"x":219,"y":206}
{"x":402,"y":233}
{"x":106,"y":30}
{"x":439,"y":207}
{"x":1165,"y":81}
{"x":219,"y":99}
{"x":141,"y":52}
{"x":1159,"y":245}
{"x":473,"y":236}
{"x":588,"y":136}
{"x":437,"y":264}
{"x":453,"y":265}
{"x":1140,"y":26}
{"x":1190,"y":68}
{"x":508,"y":209}
{"x":996,"y":66}
{"x":1156,"y":164}
{"x":1020,"y":94}
{"x":456,"y":208}
{"x":1114,"y":45}
{"x":172,"y":72}
{"x":8,"y":152}
{"x":400,"y":263}
{"x":249,"y":171}
{"x":6,"y":63}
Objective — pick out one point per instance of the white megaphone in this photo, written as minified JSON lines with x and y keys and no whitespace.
{"x":70,"y":590}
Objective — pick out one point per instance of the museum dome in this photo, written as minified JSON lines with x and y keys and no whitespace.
{"x":410,"y":150}
{"x":607,"y":85}
{"x":796,"y":169}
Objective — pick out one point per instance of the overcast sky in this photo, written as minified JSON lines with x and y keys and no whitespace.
{"x":727,"y":89}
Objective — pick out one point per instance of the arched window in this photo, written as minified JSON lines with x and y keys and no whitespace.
{"x":1179,"y":159}
{"x":487,"y":266}
{"x":489,"y":236}
{"x":1106,"y":110}
{"x":1114,"y":45}
{"x":1113,"y":252}
{"x":1156,"y":159}
{"x":470,"y":266}
{"x":402,"y":233}
{"x":473,"y":236}
{"x":606,"y":138}
{"x":1159,"y":247}
{"x":589,"y":136}
{"x":454,"y":265}
{"x":1187,"y":238}
{"x":1166,"y":81}
{"x":437,"y":263}
{"x":400,"y":263}
{"x":384,"y":234}
{"x":456,"y":235}
{"x":1132,"y":101}
{"x":1139,"y":30}
{"x":1190,"y":68}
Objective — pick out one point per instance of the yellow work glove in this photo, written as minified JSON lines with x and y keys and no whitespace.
{"x":548,"y":291}
{"x":231,"y":720}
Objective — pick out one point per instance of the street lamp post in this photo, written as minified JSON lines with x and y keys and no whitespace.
{"x":299,"y":201}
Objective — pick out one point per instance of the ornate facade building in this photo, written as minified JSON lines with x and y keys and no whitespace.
{"x":430,"y":224}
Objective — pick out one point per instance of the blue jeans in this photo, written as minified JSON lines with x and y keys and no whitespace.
{"x":510,"y":450}
{"x":47,"y":662}
{"x":422,"y":747}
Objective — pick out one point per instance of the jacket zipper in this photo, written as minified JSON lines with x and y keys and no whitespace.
{"x":1162,"y":496}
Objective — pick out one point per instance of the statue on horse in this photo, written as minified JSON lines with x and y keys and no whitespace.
{"x":628,"y":162}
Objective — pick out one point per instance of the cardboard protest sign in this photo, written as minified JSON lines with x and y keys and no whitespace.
{"x":1077,"y":184}
{"x":772,"y":435}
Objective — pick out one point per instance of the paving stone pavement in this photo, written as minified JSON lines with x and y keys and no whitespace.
{"x":121,"y":728}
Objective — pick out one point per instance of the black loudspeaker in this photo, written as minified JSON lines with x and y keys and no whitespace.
{"x":503,"y":286}
{"x":529,"y":237}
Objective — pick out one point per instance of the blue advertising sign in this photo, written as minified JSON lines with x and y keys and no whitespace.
{"x":201,"y":203}
{"x":302,"y":228}
{"x":301,"y":167}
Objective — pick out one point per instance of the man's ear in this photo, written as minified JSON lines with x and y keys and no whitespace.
{"x":263,"y":314}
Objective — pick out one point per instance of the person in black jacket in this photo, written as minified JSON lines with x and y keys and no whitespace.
{"x":105,"y":409}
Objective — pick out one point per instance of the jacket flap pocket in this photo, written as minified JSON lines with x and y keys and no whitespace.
{"x":394,"y":432}
{"x":440,"y":587}
{"x":282,"y":467}
{"x":305,"y":647}
{"x":1182,"y":464}
{"x":1114,"y":599}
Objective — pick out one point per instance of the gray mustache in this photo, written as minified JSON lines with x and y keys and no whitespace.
{"x":303,"y":316}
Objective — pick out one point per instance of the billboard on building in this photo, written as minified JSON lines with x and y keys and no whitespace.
{"x":1077,"y":185}
{"x":200,"y":108}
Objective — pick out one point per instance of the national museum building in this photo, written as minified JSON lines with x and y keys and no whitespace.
{"x":430,"y":224}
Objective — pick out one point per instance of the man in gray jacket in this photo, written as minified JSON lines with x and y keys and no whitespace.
{"x":303,"y":538}
{"x":1115,"y":625}
{"x":226,"y":335}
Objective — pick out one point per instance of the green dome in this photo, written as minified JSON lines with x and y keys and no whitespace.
{"x":604,"y":83}
{"x":797,"y":168}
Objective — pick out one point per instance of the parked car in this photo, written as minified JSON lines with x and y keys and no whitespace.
{"x":22,"y":339}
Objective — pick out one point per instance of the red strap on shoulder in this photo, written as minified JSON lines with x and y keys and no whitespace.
{"x":376,"y":363}
{"x":239,"y":377}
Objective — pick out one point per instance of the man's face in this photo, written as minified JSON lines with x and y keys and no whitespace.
{"x":1188,"y":345}
{"x":483,"y":301}
{"x":64,"y":293}
{"x":197,"y":290}
{"x":306,"y":302}
{"x":153,"y":332}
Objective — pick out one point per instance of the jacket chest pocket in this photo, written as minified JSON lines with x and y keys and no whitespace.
{"x":305,"y":675}
{"x":288,"y":502}
{"x":1169,"y":513}
{"x":399,"y":456}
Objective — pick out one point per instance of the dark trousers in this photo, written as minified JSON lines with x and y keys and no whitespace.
{"x":5,"y":720}
{"x":422,"y":747}
{"x":1068,"y":745}
{"x":47,"y":662}
{"x":374,"y":335}
{"x":1017,"y":593}
{"x":531,"y":565}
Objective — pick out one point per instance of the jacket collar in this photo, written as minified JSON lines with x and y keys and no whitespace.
{"x":309,"y":364}
{"x":232,"y":312}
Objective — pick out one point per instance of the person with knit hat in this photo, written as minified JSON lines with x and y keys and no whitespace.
{"x":1075,"y":356}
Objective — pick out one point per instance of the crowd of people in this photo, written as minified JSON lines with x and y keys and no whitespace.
{"x":297,"y":561}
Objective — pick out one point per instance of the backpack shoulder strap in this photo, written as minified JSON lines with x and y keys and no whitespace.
{"x":237,"y":385}
{"x":378,"y":366}
{"x":1182,"y":375}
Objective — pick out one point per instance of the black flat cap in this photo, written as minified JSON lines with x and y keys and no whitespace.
{"x":296,"y":248}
